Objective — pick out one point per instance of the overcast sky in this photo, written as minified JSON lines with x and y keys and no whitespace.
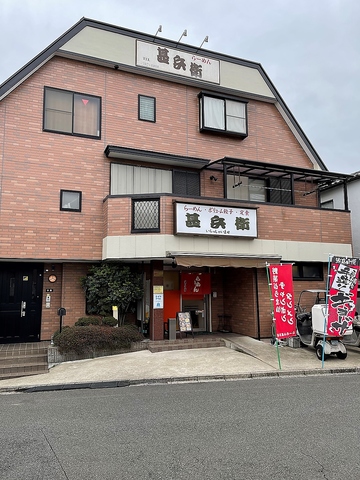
{"x":310,"y":49}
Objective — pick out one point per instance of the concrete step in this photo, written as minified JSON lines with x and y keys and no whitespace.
{"x":23,"y":370}
{"x":20,"y":360}
{"x":23,"y":359}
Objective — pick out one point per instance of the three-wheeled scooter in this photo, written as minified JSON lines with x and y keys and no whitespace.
{"x":310,"y":312}
{"x":353,"y":340}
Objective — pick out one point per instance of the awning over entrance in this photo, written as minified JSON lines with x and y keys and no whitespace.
{"x":236,"y":261}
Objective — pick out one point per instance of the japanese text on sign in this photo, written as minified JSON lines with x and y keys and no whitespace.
{"x":344,"y":273}
{"x":215,"y":220}
{"x":283,"y":300}
{"x":178,"y":62}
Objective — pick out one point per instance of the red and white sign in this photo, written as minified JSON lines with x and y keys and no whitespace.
{"x":283,"y":299}
{"x":195,"y":283}
{"x":344,"y":275}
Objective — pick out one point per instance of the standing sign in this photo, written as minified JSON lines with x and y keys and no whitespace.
{"x":283,"y":300}
{"x":344,"y":274}
{"x":184,"y":321}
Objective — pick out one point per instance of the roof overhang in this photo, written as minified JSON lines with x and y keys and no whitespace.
{"x":264,"y":169}
{"x":185,"y":259}
{"x":132,"y":154}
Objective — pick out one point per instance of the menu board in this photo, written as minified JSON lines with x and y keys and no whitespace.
{"x":184,"y":321}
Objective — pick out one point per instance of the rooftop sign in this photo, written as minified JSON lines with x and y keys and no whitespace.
{"x":169,"y":60}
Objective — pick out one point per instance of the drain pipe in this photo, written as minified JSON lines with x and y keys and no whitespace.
{"x":257,"y":303}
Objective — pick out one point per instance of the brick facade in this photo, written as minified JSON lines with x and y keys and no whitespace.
{"x":35,"y":165}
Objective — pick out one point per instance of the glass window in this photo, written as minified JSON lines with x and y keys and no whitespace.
{"x":147,"y":111}
{"x":223,"y":115}
{"x":146,"y":215}
{"x":73,"y":113}
{"x":186,"y":183}
{"x":70,"y":200}
{"x":328,"y":204}
{"x":244,"y":188}
{"x":130,"y":179}
{"x":280,"y":191}
{"x":307,"y":271}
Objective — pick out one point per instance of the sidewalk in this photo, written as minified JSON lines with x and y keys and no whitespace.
{"x":242,"y":358}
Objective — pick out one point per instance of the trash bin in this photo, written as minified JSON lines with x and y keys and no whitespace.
{"x":172,"y":328}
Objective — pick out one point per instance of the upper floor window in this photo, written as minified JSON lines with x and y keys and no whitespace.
{"x":186,"y":183}
{"x":133,"y":179}
{"x":70,"y":200}
{"x":146,"y":215}
{"x":147,"y":110}
{"x":71,"y":113}
{"x":253,"y":189}
{"x":226,"y":115}
{"x":327,"y":204}
{"x":272,"y":190}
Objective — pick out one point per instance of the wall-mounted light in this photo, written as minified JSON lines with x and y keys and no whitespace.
{"x":184,"y":34}
{"x":53,"y":268}
{"x":213,"y":178}
{"x":158,"y":30}
{"x":206,"y":39}
{"x":116,"y":67}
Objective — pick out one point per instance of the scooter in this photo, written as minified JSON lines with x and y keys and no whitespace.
{"x":353,"y":340}
{"x":310,"y":326}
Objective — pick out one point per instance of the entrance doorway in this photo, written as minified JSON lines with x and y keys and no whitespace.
{"x":197,"y":309}
{"x":20,"y":302}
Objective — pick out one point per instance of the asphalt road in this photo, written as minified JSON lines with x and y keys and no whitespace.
{"x":274,"y":428}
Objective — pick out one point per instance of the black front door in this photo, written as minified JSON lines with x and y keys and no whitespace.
{"x":20,"y":302}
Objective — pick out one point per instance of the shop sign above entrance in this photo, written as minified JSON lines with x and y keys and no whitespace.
{"x":197,"y":219}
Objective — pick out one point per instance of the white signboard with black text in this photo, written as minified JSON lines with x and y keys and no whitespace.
{"x":196,"y":219}
{"x":169,"y":60}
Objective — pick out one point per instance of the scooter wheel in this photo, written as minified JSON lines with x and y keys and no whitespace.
{"x":341,"y":355}
{"x":318,"y":350}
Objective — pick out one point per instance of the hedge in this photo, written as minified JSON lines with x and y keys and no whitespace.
{"x":93,"y":338}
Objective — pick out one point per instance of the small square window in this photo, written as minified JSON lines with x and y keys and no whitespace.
{"x":70,"y":200}
{"x":147,"y":108}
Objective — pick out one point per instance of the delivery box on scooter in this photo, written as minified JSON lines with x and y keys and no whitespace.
{"x":318,"y":314}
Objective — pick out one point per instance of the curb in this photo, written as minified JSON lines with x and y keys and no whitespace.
{"x":176,"y":380}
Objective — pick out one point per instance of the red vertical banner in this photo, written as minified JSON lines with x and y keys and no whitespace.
{"x":343,"y":281}
{"x":282,"y":291}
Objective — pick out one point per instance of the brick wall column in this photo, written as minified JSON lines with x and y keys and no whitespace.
{"x":157,"y":314}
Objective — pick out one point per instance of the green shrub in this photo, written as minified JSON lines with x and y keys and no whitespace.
{"x":93,"y":338}
{"x":86,"y":321}
{"x":109,"y":321}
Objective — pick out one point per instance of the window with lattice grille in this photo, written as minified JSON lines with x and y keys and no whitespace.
{"x":146,"y":215}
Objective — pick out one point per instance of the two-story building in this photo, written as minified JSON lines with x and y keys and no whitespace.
{"x":184,"y":163}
